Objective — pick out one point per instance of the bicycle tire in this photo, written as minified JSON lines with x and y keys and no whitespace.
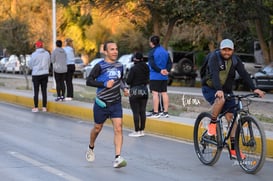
{"x":254,"y":149}
{"x":208,"y":153}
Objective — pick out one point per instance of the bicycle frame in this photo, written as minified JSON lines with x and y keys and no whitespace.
{"x":249,"y":138}
{"x":238,"y":109}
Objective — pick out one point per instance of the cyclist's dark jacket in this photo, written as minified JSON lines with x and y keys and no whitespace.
{"x":100,"y":74}
{"x":215,"y":68}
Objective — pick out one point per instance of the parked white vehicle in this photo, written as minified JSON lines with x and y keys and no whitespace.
{"x":87,"y":69}
{"x":264,"y":78}
{"x":13,"y":65}
{"x":126,"y":61}
{"x":3,"y":61}
{"x":79,"y":66}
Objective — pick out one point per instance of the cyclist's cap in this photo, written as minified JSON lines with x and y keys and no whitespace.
{"x":39,"y":44}
{"x":226,"y":43}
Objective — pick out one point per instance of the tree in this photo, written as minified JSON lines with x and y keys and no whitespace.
{"x":14,"y":36}
{"x":23,"y":23}
{"x":235,"y":19}
{"x":262,"y":13}
{"x":156,"y":12}
{"x":73,"y":21}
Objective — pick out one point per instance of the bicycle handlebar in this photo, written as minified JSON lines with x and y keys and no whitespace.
{"x":238,"y":96}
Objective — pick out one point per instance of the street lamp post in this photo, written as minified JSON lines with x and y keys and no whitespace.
{"x":54,"y":23}
{"x":54,"y":37}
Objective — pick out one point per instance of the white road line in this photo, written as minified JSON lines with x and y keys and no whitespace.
{"x":44,"y":166}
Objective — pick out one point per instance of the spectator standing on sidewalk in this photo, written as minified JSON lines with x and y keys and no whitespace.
{"x":107,"y":76}
{"x":138,"y":78}
{"x":39,"y":63}
{"x":160,"y":65}
{"x":70,"y":61}
{"x":58,"y":59}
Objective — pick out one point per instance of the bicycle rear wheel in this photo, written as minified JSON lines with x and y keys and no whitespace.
{"x":250,"y":140}
{"x":206,"y":147}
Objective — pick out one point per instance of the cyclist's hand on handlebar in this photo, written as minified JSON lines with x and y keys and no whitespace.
{"x":259,"y":92}
{"x":219,"y":94}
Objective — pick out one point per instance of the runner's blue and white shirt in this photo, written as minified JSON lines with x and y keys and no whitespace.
{"x":103,"y":72}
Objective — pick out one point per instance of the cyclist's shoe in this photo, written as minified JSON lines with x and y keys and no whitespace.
{"x":119,"y":162}
{"x":90,"y":156}
{"x":234,"y":156}
{"x":212,"y":129}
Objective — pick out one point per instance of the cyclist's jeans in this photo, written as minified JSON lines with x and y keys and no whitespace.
{"x":209,"y":95}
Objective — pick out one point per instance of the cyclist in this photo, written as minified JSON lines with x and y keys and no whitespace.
{"x":219,"y":82}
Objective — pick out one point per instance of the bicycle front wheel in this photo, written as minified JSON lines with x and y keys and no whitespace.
{"x":206,"y":147}
{"x":250,"y":140}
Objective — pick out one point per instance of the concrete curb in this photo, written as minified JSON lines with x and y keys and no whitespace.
{"x":169,"y":128}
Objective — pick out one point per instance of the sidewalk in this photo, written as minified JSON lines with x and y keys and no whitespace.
{"x":174,"y":127}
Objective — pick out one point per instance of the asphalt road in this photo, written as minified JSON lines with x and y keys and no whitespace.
{"x":43,"y":146}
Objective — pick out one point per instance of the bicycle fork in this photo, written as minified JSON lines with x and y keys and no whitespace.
{"x":251,"y":142}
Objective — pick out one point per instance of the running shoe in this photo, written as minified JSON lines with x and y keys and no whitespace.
{"x":154,"y":115}
{"x":141,"y":133}
{"x":135,"y":134}
{"x":164,"y":114}
{"x":119,"y":162}
{"x":35,"y":109}
{"x":90,"y":156}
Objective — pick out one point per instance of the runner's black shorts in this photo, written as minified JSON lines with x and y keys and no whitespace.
{"x":158,"y":85}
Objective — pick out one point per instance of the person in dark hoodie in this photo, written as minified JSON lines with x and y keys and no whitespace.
{"x":58,"y":59}
{"x":138,"y":78}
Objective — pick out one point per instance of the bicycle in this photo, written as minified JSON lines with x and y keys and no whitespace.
{"x":249,"y":137}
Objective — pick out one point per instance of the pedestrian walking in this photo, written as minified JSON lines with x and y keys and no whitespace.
{"x":39,"y":63}
{"x":70,"y":61}
{"x":138,"y":78}
{"x":107,"y":76}
{"x":58,"y":59}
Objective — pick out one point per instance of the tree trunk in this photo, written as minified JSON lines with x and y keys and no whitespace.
{"x":169,"y":33}
{"x":262,"y":41}
{"x":271,"y":45}
{"x":211,"y":45}
{"x":13,"y":7}
{"x":24,"y":68}
{"x":155,"y":21}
